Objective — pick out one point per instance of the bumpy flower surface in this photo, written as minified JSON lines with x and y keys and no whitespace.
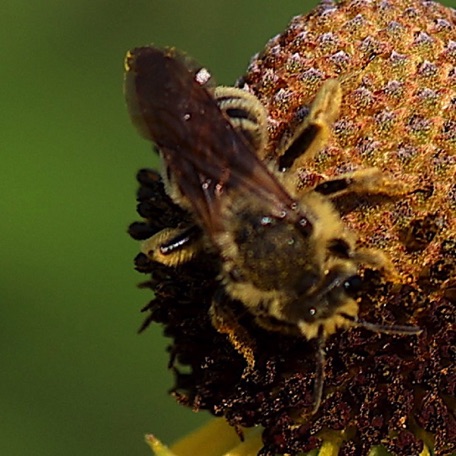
{"x":396,"y":61}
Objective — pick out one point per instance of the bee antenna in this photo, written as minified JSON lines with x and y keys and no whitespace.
{"x":321,"y":354}
{"x":393,"y":329}
{"x":385,"y":329}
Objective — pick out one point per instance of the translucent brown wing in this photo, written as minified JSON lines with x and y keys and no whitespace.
{"x":206,"y":156}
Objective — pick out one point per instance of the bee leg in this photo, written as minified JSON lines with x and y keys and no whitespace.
{"x":378,"y":260}
{"x":363,"y":181}
{"x":449,"y":287}
{"x":314,"y":131}
{"x":226,"y":322}
{"x":320,"y":371}
{"x":173,"y":246}
{"x":246,"y":114}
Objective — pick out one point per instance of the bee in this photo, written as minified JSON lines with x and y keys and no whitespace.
{"x":285,"y":254}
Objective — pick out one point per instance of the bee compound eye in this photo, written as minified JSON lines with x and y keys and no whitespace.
{"x":352,"y":284}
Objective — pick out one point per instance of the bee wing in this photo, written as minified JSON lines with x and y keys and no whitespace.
{"x":169,"y":104}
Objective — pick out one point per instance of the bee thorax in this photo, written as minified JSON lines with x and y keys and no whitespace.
{"x":269,"y":252}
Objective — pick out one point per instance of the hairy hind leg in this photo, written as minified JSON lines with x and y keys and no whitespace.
{"x":371,"y":181}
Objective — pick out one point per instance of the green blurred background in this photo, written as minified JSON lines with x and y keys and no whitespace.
{"x":75,"y":377}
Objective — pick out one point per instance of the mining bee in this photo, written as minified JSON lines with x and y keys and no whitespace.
{"x":285,"y":254}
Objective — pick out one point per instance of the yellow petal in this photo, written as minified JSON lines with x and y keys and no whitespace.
{"x":329,"y":448}
{"x":216,"y":438}
{"x":157,"y":447}
{"x":213,"y":439}
{"x":425,"y":451}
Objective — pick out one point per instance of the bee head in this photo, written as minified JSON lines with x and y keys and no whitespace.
{"x":297,"y":270}
{"x":330,"y":304}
